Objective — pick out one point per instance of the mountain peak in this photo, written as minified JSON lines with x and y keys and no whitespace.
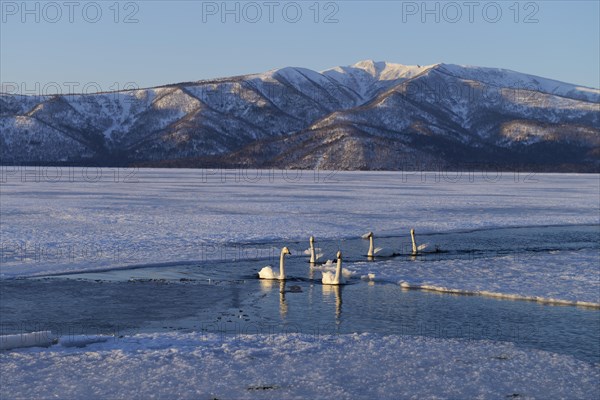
{"x":371,"y":66}
{"x":382,"y":70}
{"x":367,"y":77}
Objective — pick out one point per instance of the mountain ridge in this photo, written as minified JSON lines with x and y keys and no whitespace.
{"x":442,"y":114}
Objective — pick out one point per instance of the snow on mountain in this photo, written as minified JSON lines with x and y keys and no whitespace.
{"x":463,"y":120}
{"x":33,"y":138}
{"x":368,"y":76}
{"x":510,"y":79}
{"x":364,"y":116}
{"x":115,"y":111}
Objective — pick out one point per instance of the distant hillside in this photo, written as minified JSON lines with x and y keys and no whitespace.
{"x":371,"y":115}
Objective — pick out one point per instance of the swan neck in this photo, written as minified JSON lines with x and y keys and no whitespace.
{"x":312,"y":253}
{"x":338,"y":270}
{"x":370,"y":253}
{"x":414,"y":243}
{"x":282,"y":266}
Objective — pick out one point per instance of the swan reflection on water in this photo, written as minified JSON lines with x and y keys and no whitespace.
{"x":283,"y":307}
{"x":328,"y":290}
{"x":267,"y":285}
{"x":335,"y":290}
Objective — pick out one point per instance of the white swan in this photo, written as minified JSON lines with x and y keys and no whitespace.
{"x":338,"y":279}
{"x":416,"y":249}
{"x":267,"y":272}
{"x":330,"y":265}
{"x":379,"y":252}
{"x":311,"y":250}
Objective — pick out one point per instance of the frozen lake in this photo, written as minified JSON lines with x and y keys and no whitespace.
{"x":510,"y":258}
{"x":67,"y":219}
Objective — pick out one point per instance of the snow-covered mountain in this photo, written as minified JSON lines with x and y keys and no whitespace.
{"x":371,"y":115}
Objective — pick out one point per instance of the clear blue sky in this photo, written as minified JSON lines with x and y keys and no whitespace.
{"x":186,"y":40}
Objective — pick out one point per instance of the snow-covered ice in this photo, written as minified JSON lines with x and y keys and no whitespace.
{"x":65,"y":219}
{"x":22,"y":340}
{"x":561,"y":277}
{"x":294,"y":366}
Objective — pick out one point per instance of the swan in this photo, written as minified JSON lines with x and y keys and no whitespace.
{"x":267,"y":272}
{"x":338,"y":279}
{"x":379,"y":252}
{"x":313,"y":256}
{"x":330,"y":265}
{"x":416,"y":249}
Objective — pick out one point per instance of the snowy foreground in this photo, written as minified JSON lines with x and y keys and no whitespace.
{"x":366,"y":366}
